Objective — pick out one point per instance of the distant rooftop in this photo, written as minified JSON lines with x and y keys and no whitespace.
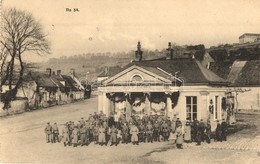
{"x":249,"y":34}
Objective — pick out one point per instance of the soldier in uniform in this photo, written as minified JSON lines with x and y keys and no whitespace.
{"x":200,"y":132}
{"x":194,"y":130}
{"x":149,"y":132}
{"x":55,"y":132}
{"x":113,"y":135}
{"x":75,"y":136}
{"x":71,"y":127}
{"x":65,"y":135}
{"x":95,"y":133}
{"x":165,"y":131}
{"x":134,"y":134}
{"x":125,"y":133}
{"x":142,"y":132}
{"x":187,"y":132}
{"x":82,"y":132}
{"x":208,"y":131}
{"x":156,"y":131}
{"x":48,"y":133}
{"x":173,"y":123}
{"x":218,"y":132}
{"x":179,"y":137}
{"x":102,"y":135}
{"x":224,"y":127}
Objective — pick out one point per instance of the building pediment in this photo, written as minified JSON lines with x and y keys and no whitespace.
{"x":139,"y":75}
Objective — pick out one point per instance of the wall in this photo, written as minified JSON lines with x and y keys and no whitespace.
{"x":17,"y":106}
{"x":249,"y":100}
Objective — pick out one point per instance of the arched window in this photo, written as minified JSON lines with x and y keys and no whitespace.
{"x":137,"y":78}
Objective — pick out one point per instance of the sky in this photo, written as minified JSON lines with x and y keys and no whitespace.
{"x":117,"y":25}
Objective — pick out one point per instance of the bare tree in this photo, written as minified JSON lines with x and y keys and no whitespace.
{"x":21,"y":33}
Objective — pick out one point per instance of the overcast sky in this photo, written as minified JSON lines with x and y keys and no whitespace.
{"x":117,"y":25}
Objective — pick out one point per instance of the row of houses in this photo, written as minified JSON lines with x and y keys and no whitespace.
{"x":44,"y":89}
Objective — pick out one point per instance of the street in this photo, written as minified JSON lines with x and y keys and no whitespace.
{"x":22,"y":140}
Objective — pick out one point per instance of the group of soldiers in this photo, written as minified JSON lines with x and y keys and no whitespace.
{"x":100,"y":129}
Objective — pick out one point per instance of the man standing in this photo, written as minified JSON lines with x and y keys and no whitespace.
{"x":208,"y":131}
{"x":113,"y":135}
{"x":165,"y":131}
{"x":82,"y":132}
{"x":125,"y":133}
{"x":218,"y":132}
{"x":149,"y":132}
{"x":55,"y":131}
{"x":142,"y":131}
{"x":179,"y":137}
{"x":75,"y":135}
{"x":48,"y":133}
{"x":102,"y":135}
{"x":134,"y":134}
{"x":224,"y":128}
{"x":156,"y":131}
{"x":65,"y":134}
{"x":187,"y":132}
{"x":200,"y":132}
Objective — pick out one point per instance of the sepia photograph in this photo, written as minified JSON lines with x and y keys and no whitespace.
{"x":130,"y":81}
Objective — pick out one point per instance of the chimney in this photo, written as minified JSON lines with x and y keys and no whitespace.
{"x":138,"y":52}
{"x":48,"y":71}
{"x":72,"y":72}
{"x":169,"y":53}
{"x":59,"y":72}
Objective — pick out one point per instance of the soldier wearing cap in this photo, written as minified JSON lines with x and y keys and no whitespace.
{"x":224,"y":128}
{"x":55,"y":132}
{"x":200,"y":132}
{"x":187,"y":132}
{"x":75,"y":136}
{"x":149,"y":132}
{"x":179,"y":137}
{"x":142,"y":132}
{"x":125,"y":133}
{"x":48,"y":133}
{"x":95,"y":133}
{"x":65,"y":134}
{"x":165,"y":131}
{"x":208,"y":131}
{"x":134,"y":134}
{"x":113,"y":135}
{"x":178,"y":122}
{"x":102,"y":135}
{"x":156,"y":131}
{"x":218,"y":132}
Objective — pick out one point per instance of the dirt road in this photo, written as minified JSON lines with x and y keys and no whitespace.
{"x":22,"y":139}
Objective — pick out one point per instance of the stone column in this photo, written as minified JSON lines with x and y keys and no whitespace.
{"x":169,"y":106}
{"x":106,"y":104}
{"x":128,"y":109}
{"x":147,"y":105}
{"x":100,"y":101}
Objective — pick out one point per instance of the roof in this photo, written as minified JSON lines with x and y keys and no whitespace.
{"x":246,"y":73}
{"x":42,"y":79}
{"x":249,"y":34}
{"x":189,"y":69}
{"x":70,"y":83}
{"x":222,"y":69}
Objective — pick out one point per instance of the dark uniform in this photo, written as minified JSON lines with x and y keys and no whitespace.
{"x":200,"y":132}
{"x":165,"y":131}
{"x":48,"y":132}
{"x":218,"y":132}
{"x":208,"y":132}
{"x":224,"y":128}
{"x":82,"y":132}
{"x":55,"y":132}
{"x":142,"y":133}
{"x":149,"y":132}
{"x":156,"y":132}
{"x":125,"y":134}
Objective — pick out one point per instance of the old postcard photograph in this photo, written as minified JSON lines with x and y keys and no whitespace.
{"x":130,"y":81}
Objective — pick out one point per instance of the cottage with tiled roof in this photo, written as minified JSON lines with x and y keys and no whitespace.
{"x":165,"y":86}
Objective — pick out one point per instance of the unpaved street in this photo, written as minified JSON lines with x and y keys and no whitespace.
{"x":22,"y":136}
